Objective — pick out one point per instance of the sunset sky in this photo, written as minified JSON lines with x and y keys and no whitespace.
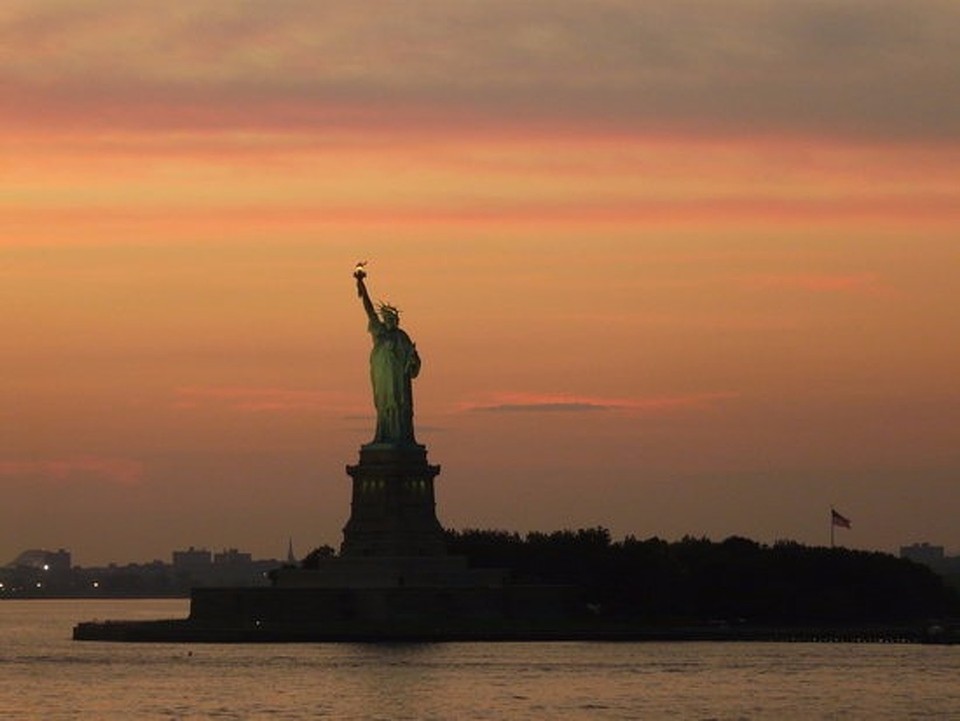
{"x":673,"y":266}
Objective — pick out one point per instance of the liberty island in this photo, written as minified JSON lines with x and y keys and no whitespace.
{"x":395,"y":577}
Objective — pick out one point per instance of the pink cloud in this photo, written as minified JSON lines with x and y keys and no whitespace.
{"x":115,"y":470}
{"x":519,"y":402}
{"x":112,"y":225}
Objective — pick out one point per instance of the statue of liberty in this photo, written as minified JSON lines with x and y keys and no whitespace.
{"x":394,"y":363}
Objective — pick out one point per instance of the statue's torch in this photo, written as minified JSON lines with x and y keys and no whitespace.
{"x":360,"y":272}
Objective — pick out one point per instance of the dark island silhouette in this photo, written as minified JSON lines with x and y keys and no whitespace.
{"x":400,"y":576}
{"x":737,"y":581}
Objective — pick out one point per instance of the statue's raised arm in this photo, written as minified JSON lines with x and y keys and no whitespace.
{"x":360,"y":274}
{"x":394,"y":363}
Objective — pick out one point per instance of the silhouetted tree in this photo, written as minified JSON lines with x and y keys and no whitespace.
{"x":312,"y":559}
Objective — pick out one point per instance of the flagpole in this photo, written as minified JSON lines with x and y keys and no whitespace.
{"x":832,"y":526}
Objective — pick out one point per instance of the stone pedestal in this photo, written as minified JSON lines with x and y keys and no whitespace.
{"x":393,"y":511}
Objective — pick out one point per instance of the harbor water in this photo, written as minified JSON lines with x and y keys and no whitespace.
{"x":46,"y":675}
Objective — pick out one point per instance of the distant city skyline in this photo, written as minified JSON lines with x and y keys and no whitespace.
{"x":672,"y":268}
{"x":40,"y":573}
{"x":46,"y":558}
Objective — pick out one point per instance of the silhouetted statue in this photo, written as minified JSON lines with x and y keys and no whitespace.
{"x":393,"y":364}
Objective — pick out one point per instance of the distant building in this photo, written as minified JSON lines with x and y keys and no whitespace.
{"x":229,"y":567}
{"x":923,"y":553}
{"x":37,"y":572}
{"x":232,"y":556}
{"x":935,"y":559}
{"x":58,"y":561}
{"x":193,"y":560}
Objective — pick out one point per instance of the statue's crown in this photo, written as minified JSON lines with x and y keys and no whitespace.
{"x":387,"y":309}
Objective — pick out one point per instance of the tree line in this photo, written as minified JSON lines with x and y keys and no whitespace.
{"x":733,"y":581}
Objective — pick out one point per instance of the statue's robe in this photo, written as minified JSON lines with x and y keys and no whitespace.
{"x":393,"y":364}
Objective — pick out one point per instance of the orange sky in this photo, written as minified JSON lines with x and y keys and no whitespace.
{"x":671,"y":270}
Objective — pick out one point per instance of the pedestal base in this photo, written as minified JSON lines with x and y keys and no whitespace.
{"x":393,"y":511}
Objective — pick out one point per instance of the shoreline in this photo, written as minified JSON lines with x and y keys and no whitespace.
{"x":187,"y":631}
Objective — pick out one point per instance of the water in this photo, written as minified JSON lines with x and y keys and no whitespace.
{"x":45,"y":675}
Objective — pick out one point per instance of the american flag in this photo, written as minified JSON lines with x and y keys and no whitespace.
{"x":839,"y":520}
